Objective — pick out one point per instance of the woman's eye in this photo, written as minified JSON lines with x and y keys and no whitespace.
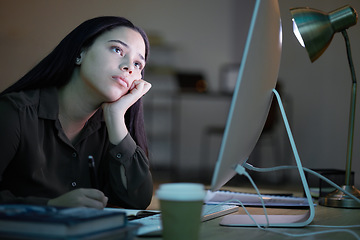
{"x":138,"y":65}
{"x":117,"y":50}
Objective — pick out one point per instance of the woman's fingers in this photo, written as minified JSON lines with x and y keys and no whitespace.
{"x":82,"y":197}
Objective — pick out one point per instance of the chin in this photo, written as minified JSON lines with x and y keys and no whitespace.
{"x":114,"y":98}
{"x":114,"y":95}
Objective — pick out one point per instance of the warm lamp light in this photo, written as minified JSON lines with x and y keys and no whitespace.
{"x":315,"y":30}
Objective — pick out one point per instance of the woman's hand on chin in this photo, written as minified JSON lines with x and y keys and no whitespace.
{"x":138,"y":89}
{"x":114,"y":112}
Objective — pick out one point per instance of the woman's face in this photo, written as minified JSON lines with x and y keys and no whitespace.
{"x":110,"y":66}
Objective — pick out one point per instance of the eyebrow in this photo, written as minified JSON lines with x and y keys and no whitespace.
{"x":127,"y":46}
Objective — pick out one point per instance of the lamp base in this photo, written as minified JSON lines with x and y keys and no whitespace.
{"x":340,"y":199}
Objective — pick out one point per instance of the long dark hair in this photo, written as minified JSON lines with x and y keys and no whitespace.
{"x":57,"y":68}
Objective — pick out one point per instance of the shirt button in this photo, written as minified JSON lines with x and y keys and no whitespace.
{"x":74,"y":154}
{"x":118,"y":155}
{"x":73,"y":184}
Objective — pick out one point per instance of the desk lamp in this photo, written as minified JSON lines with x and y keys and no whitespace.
{"x":314,"y":30}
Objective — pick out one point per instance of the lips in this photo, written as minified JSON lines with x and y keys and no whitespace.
{"x":121,"y":80}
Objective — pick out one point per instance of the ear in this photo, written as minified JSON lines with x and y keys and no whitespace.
{"x":79,"y":59}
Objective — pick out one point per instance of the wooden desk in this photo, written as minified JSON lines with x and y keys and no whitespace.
{"x":211,"y":230}
{"x":323,"y":216}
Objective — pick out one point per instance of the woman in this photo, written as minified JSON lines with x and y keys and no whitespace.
{"x":83,"y":99}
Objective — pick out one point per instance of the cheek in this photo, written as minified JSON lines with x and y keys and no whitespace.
{"x":136,"y":76}
{"x":89,"y":74}
{"x":89,"y":66}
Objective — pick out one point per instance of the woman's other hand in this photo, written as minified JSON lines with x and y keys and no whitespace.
{"x":82,"y":197}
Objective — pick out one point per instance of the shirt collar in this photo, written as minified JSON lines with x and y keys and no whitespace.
{"x":49,"y":106}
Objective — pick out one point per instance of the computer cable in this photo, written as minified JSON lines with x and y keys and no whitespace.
{"x":336,"y":228}
{"x":278,"y":168}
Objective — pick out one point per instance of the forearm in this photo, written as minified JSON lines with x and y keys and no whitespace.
{"x":116,"y":127}
{"x":114,"y":112}
{"x":6,"y":197}
{"x":137,"y":192}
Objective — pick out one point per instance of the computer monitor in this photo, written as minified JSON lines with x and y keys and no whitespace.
{"x":249,"y":109}
{"x":253,"y":94}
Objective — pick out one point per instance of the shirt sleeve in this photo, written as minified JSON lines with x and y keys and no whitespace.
{"x":7,"y":197}
{"x":130,"y":178}
{"x":10,"y":134}
{"x":9,"y":141}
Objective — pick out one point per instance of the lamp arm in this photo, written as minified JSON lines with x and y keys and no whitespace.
{"x":352,"y":111}
{"x":349,"y":56}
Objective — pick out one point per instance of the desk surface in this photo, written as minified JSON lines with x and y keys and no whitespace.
{"x":211,"y":230}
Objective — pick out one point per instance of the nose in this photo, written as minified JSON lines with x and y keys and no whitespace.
{"x":126,"y":69}
{"x":126,"y":66}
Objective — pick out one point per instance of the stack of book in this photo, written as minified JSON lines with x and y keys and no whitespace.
{"x":45,"y":222}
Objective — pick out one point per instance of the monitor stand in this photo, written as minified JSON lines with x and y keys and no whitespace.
{"x":277,"y":220}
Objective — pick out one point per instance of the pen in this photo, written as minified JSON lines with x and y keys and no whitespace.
{"x":92,"y":171}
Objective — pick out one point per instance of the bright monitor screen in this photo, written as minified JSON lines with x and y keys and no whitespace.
{"x":252,"y":96}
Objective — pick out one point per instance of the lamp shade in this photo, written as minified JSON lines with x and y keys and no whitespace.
{"x":315,"y":29}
